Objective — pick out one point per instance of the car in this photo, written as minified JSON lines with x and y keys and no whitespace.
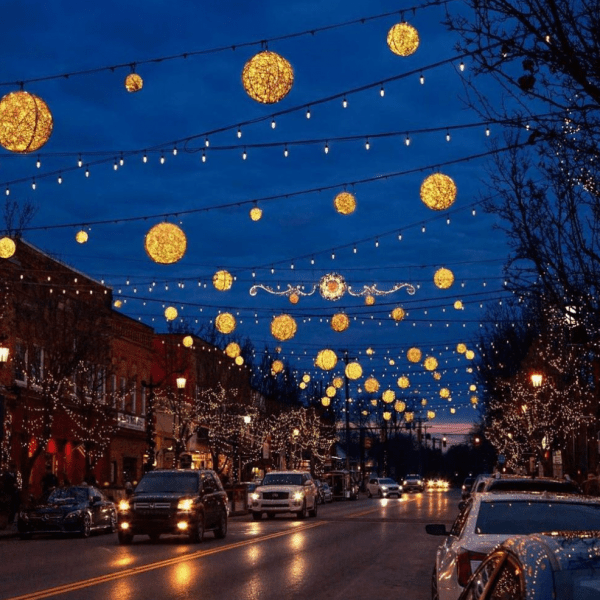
{"x":384,"y":487}
{"x":465,"y":489}
{"x":285,"y":492}
{"x":490,"y":518}
{"x":320,"y":497}
{"x":437,"y":484}
{"x":413,"y":483}
{"x":327,"y":492}
{"x":558,"y":565}
{"x":186,"y":502}
{"x":78,"y":509}
{"x":519,"y":483}
{"x":250,"y":487}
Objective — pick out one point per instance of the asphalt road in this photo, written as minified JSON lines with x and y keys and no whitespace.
{"x":369,"y":548}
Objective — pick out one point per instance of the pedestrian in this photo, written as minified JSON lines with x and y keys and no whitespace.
{"x":49,"y":480}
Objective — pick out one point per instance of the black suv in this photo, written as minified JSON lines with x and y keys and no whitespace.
{"x":180,"y":501}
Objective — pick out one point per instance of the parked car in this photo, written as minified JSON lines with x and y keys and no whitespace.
{"x":559,"y":566}
{"x":519,"y":483}
{"x":327,"y":493}
{"x":413,"y":483}
{"x":489,"y":518}
{"x":344,"y":484}
{"x":284,"y":492}
{"x":77,"y":509}
{"x":465,"y":490}
{"x":250,"y":487}
{"x":384,"y":487}
{"x":178,"y":501}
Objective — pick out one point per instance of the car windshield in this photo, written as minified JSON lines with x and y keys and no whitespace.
{"x":282,"y":479}
{"x":186,"y":483}
{"x":579,"y":583}
{"x":525,"y":516}
{"x":532,"y":485}
{"x":67,"y":495}
{"x":387,"y":481}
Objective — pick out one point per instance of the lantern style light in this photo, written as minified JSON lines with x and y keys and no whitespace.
{"x":225,"y":323}
{"x":25,"y":122}
{"x":388,"y":396}
{"x":294,"y":298}
{"x":537,"y":379}
{"x":326,"y":359}
{"x":283,"y":327}
{"x":431,"y":414}
{"x":330,"y":391}
{"x":277,"y":366}
{"x":458,"y":305}
{"x":414,"y":355}
{"x":470,"y":354}
{"x":438,"y":191}
{"x":181,"y":381}
{"x":233,"y":350}
{"x":170,"y":313}
{"x":353,"y":370}
{"x":332,"y":286}
{"x":387,"y":415}
{"x":461,"y":348}
{"x":133,"y":83}
{"x":430,"y":363}
{"x":165,"y":243}
{"x":267,"y":77}
{"x":403,"y":382}
{"x":371,"y":385}
{"x":338,"y":382}
{"x":325,"y":401}
{"x":443,"y":278}
{"x":256,"y":213}
{"x":188,"y":341}
{"x":345,"y":203}
{"x":81,"y":237}
{"x":445,"y":393}
{"x":222,"y":280}
{"x":399,"y":406}
{"x":7,"y":247}
{"x":340,"y":322}
{"x":403,"y":39}
{"x":398,"y":314}
{"x":369,"y":300}
{"x":3,"y":354}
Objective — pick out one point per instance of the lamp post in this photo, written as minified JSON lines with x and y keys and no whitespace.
{"x":3,"y":354}
{"x":537,"y":379}
{"x":295,"y":434}
{"x":150,"y":426}
{"x":180,"y":381}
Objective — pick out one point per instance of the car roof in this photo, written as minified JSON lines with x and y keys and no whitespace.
{"x":287,"y":473}
{"x":540,"y":496}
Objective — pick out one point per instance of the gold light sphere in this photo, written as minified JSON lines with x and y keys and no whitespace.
{"x":398,"y":314}
{"x":340,"y":322}
{"x":387,"y":415}
{"x":431,"y":414}
{"x":332,"y":286}
{"x":7,"y":247}
{"x":371,"y":385}
{"x":452,"y":411}
{"x":283,"y":327}
{"x":325,"y":401}
{"x":225,"y":323}
{"x":399,"y":406}
{"x":170,"y":313}
{"x":470,"y":354}
{"x":364,"y":412}
{"x":461,"y":348}
{"x":369,"y":300}
{"x":445,"y":393}
{"x":326,"y":359}
{"x":233,"y":350}
{"x":438,"y":191}
{"x":392,"y":362}
{"x":133,"y":83}
{"x":430,"y":363}
{"x":306,"y":377}
{"x":458,"y":305}
{"x":338,"y":382}
{"x":239,"y":361}
{"x":330,"y":391}
{"x":345,"y":203}
{"x":414,"y":355}
{"x":409,"y":417}
{"x":472,"y":387}
{"x":437,"y":375}
{"x":256,"y":213}
{"x":25,"y":122}
{"x":267,"y":77}
{"x":353,"y":370}
{"x":373,"y":401}
{"x":277,"y":366}
{"x":443,"y":278}
{"x":424,"y":402}
{"x":403,"y":39}
{"x":222,"y":280}
{"x":188,"y":341}
{"x":403,"y":382}
{"x":302,"y":385}
{"x":81,"y":237}
{"x":118,"y":303}
{"x":388,"y":396}
{"x":165,"y":243}
{"x":370,"y":351}
{"x":294,"y":298}
{"x":474,"y":399}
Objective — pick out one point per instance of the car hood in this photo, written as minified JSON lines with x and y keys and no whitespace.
{"x":59,"y":508}
{"x":279,"y":488}
{"x":158,"y":496}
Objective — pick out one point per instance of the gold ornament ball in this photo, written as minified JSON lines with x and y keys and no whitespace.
{"x":403,"y":39}
{"x":170,"y":313}
{"x":364,"y":412}
{"x":438,"y":192}
{"x":437,"y":375}
{"x":165,"y":243}
{"x":338,"y":382}
{"x":414,"y":355}
{"x":443,"y":278}
{"x":445,"y":393}
{"x":233,"y":350}
{"x":222,"y":280}
{"x":7,"y":247}
{"x":345,"y":203}
{"x":470,"y":354}
{"x":276,"y":366}
{"x":25,"y":122}
{"x":256,"y":213}
{"x":302,"y":385}
{"x":371,"y":385}
{"x":188,"y":341}
{"x":118,"y":303}
{"x":452,"y":411}
{"x":369,"y":300}
{"x":472,"y":387}
{"x":387,"y":415}
{"x":283,"y":327}
{"x":332,"y":286}
{"x":474,"y":399}
{"x":392,"y":362}
{"x":374,"y":402}
{"x":330,"y":391}
{"x":306,"y":377}
{"x":403,"y":382}
{"x":461,"y":348}
{"x":294,"y":298}
{"x":225,"y":323}
{"x":431,"y":414}
{"x":424,"y":402}
{"x":458,"y":305}
{"x":133,"y":83}
{"x":400,"y":406}
{"x":353,"y":370}
{"x":409,"y":417}
{"x":326,"y":359}
{"x":81,"y":237}
{"x":398,"y":314}
{"x":340,"y":322}
{"x":388,"y":396}
{"x":239,"y":361}
{"x":369,"y":351}
{"x":267,"y":77}
{"x":430,"y":363}
{"x":325,"y":401}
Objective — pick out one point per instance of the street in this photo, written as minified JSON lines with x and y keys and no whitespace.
{"x":368,"y":548}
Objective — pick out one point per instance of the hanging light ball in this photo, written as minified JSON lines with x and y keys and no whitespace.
{"x":188,"y":341}
{"x":461,"y":348}
{"x":325,"y":401}
{"x":326,"y":359}
{"x":330,"y":391}
{"x":387,"y":415}
{"x":403,"y":382}
{"x":25,"y":122}
{"x":388,"y":396}
{"x":403,"y":39}
{"x":458,"y":305}
{"x":345,"y":203}
{"x":398,"y":314}
{"x":369,"y":351}
{"x":302,"y":385}
{"x":233,"y":350}
{"x":470,"y":354}
{"x":364,"y":412}
{"x":392,"y":362}
{"x":340,"y":322}
{"x":338,"y":382}
{"x":424,"y":402}
{"x":332,"y":286}
{"x":437,"y":375}
{"x":452,"y":411}
{"x":267,"y":77}
{"x":474,"y":399}
{"x":294,"y":298}
{"x":431,"y":414}
{"x":81,"y":237}
{"x":409,"y":417}
{"x":373,"y":401}
{"x":283,"y":327}
{"x":369,"y":300}
{"x":472,"y":387}
{"x":277,"y":366}
{"x":445,"y":393}
{"x":239,"y":361}
{"x":133,"y":83}
{"x":443,"y":278}
{"x":438,"y":191}
{"x":256,"y":213}
{"x":414,"y":355}
{"x":306,"y":377}
{"x":371,"y":385}
{"x":165,"y":243}
{"x":118,"y":303}
{"x":7,"y":247}
{"x":222,"y":280}
{"x":399,"y":406}
{"x":170,"y":313}
{"x":225,"y":322}
{"x":353,"y":370}
{"x":430,"y":363}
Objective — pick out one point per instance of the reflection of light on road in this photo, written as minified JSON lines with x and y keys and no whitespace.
{"x":122,"y":561}
{"x":253,"y":553}
{"x":384,"y":502}
{"x":254,"y":528}
{"x":297,"y":541}
{"x":296,"y":576}
{"x":181,"y":576}
{"x":122,"y":589}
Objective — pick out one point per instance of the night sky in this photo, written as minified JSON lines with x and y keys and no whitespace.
{"x":300,"y":238}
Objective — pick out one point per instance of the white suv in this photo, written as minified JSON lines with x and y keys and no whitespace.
{"x":384,"y":487}
{"x":283,"y":492}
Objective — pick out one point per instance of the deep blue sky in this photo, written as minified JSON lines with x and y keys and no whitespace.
{"x":186,"y":97}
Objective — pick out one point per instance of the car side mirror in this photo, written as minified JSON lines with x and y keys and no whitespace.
{"x":95,"y":499}
{"x":436,"y":529}
{"x":461,"y":505}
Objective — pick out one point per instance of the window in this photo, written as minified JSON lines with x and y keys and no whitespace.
{"x":36,"y":364}
{"x":20,"y":362}
{"x":507,"y":585}
{"x":461,"y":520}
{"x":143,"y":407}
{"x":123,"y":391}
{"x":113,"y":390}
{"x":133,"y":395}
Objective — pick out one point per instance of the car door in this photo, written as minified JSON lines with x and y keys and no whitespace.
{"x":209,"y":499}
{"x":97,"y":508}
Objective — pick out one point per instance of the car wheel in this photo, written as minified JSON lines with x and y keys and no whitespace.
{"x":301,"y":514}
{"x":221,"y":530}
{"x":154,"y":537}
{"x":313,"y":512}
{"x":369,"y":495}
{"x":86,"y":526}
{"x":197,"y":533}
{"x":434,"y":586}
{"x":256,"y":516}
{"x":125,"y":538}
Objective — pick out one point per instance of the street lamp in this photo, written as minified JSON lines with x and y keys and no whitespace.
{"x":181,"y":381}
{"x":3,"y":354}
{"x":537,"y":379}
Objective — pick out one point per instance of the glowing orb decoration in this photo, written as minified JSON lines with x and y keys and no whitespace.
{"x":398,"y":314}
{"x":374,"y":402}
{"x":225,"y":323}
{"x":133,"y":83}
{"x":222,"y":280}
{"x":403,"y":39}
{"x":332,"y":286}
{"x":81,"y":237}
{"x":461,"y":348}
{"x":414,"y":355}
{"x":340,"y":322}
{"x":392,"y":362}
{"x":431,"y":414}
{"x":474,"y":399}
{"x":445,"y":393}
{"x":267,"y":77}
{"x":325,"y":401}
{"x":400,"y":406}
{"x":330,"y":391}
{"x":370,"y":351}
{"x":424,"y":402}
{"x":430,"y":363}
{"x":165,"y":243}
{"x":118,"y":303}
{"x":283,"y":327}
{"x":438,"y":192}
{"x":338,"y":382}
{"x":188,"y":341}
{"x":326,"y":359}
{"x":302,"y":385}
{"x":233,"y":350}
{"x":387,"y":415}
{"x":437,"y":375}
{"x":277,"y":366}
{"x":458,"y":305}
{"x":369,"y":300}
{"x":239,"y":361}
{"x":443,"y":278}
{"x":403,"y":382}
{"x":170,"y":313}
{"x":306,"y":377}
{"x":353,"y":370}
{"x":256,"y":213}
{"x":7,"y":247}
{"x":25,"y":122}
{"x":388,"y":396}
{"x":294,"y":298}
{"x":364,"y":412}
{"x":409,"y":417}
{"x":472,"y":387}
{"x":345,"y":203}
{"x":371,"y":385}
{"x":452,"y":411}
{"x":470,"y":354}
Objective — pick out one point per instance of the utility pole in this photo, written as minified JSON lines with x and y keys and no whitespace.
{"x":347,"y":391}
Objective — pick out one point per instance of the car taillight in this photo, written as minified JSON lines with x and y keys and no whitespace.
{"x":463,"y":564}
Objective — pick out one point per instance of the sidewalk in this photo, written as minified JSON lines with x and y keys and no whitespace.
{"x":9,"y":532}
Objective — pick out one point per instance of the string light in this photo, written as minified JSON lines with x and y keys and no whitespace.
{"x":308,"y":113}
{"x":382,"y":92}
{"x":367,"y":145}
{"x":422,"y":79}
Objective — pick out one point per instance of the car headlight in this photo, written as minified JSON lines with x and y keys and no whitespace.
{"x":124,"y":505}
{"x":384,"y":487}
{"x":185,"y":504}
{"x":254,"y":496}
{"x":73,"y":515}
{"x":298,"y":496}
